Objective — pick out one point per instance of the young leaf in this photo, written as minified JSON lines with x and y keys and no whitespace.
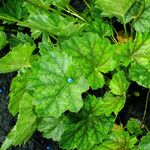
{"x":52,"y":127}
{"x":134,"y":126}
{"x":57,"y":83}
{"x":145,"y":142}
{"x":17,"y":90}
{"x":119,"y":84}
{"x":93,"y":54}
{"x":117,"y":140}
{"x":110,"y":103}
{"x":114,"y":7}
{"x":3,"y":39}
{"x":17,"y":58}
{"x":89,"y":130}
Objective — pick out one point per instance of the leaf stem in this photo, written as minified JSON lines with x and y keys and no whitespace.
{"x":125,"y":28}
{"x":146,"y":105}
{"x":87,"y":4}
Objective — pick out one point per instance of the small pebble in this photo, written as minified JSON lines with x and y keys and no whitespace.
{"x":70,"y":80}
{"x":1,"y":91}
{"x":48,"y":147}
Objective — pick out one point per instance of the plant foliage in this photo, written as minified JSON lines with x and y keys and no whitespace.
{"x":60,"y":54}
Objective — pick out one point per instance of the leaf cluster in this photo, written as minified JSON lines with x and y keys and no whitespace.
{"x":59,"y":54}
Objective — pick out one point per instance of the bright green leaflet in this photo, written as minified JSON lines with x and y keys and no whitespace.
{"x":91,"y":129}
{"x":145,"y":142}
{"x":44,"y":21}
{"x":17,"y":58}
{"x":142,"y":24}
{"x":117,"y":140}
{"x":114,"y":7}
{"x":119,"y":83}
{"x":3,"y":39}
{"x":17,"y":90}
{"x":54,"y":94}
{"x":93,"y":54}
{"x":26,"y":124}
{"x":52,"y":127}
{"x":134,"y":126}
{"x":110,"y":103}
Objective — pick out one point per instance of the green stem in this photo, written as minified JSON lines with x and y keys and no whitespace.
{"x":125,"y":28}
{"x":146,"y":105}
{"x":87,"y":4}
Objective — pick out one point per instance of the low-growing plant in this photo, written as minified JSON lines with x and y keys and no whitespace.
{"x":61,"y":55}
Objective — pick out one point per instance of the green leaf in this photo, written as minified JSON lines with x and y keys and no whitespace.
{"x":25,"y":126}
{"x":20,"y":39}
{"x":94,"y":56}
{"x":3,"y":39}
{"x":117,"y":140}
{"x":134,"y":126}
{"x":89,"y":130}
{"x":142,"y":23}
{"x":141,"y":51}
{"x":119,"y":83}
{"x":57,"y":83}
{"x":140,"y":68}
{"x":12,"y":10}
{"x":140,"y":74}
{"x":52,"y":127}
{"x":145,"y":142}
{"x":134,"y":12}
{"x":110,"y":103}
{"x":17,"y":58}
{"x":27,"y":120}
{"x":17,"y":90}
{"x":9,"y":140}
{"x":114,"y":7}
{"x":123,"y":53}
{"x":51,"y":22}
{"x":100,"y":27}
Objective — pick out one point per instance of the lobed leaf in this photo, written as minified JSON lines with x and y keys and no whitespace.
{"x":117,"y":140}
{"x":57,"y":83}
{"x":134,"y":126}
{"x":89,"y":130}
{"x":119,"y":83}
{"x":94,"y":56}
